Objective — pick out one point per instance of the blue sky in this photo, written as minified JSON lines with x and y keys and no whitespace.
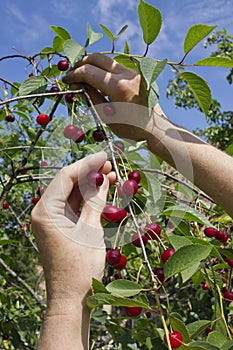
{"x":25,"y":26}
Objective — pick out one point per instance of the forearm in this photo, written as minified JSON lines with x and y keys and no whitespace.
{"x":65,"y":327}
{"x":207,"y":167}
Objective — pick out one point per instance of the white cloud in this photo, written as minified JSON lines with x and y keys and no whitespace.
{"x":16,"y":13}
{"x":63,"y":9}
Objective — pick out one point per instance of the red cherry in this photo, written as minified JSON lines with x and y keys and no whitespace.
{"x":228,"y":296}
{"x":43,"y":163}
{"x":40,"y":191}
{"x":95,"y":178}
{"x":119,"y":146}
{"x":210,"y":231}
{"x":134,"y":175}
{"x":221,"y":236}
{"x":121,"y":264}
{"x":111,"y":213}
{"x":208,"y":330}
{"x":205,"y":286}
{"x":31,"y":74}
{"x":35,"y":200}
{"x":166,"y":254}
{"x":175,"y":339}
{"x":133,"y":311}
{"x":5,"y":205}
{"x":80,"y":135}
{"x":23,"y":171}
{"x":229,"y":261}
{"x":5,"y":337}
{"x":130,"y":188}
{"x":69,"y":97}
{"x":113,"y":256}
{"x":9,"y":118}
{"x":98,"y":135}
{"x":153,"y":230}
{"x":63,"y":65}
{"x":108,"y":110}
{"x":159,"y":272}
{"x":136,"y":240}
{"x":70,"y":131}
{"x":43,"y":119}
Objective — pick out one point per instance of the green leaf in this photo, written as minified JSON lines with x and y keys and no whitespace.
{"x":197,"y":327}
{"x":126,"y":48}
{"x":58,"y":44}
{"x":154,"y":186}
{"x":188,"y":273}
{"x":45,"y":49}
{"x":4,"y":241}
{"x":33,"y":85}
{"x":227,"y":252}
{"x":108,"y":32}
{"x":61,"y":32}
{"x":200,"y":90}
{"x":186,"y":213}
{"x":185,"y":257}
{"x":179,"y":326}
{"x":150,"y":20}
{"x":122,"y":30}
{"x":229,"y":149}
{"x":216,"y":62}
{"x":92,"y":36}
{"x":216,"y":338}
{"x":178,"y":241}
{"x":153,"y":96}
{"x":228,"y":345}
{"x":73,"y":50}
{"x":201,"y":345}
{"x":127,"y":62}
{"x":151,"y":69}
{"x":195,"y":34}
{"x":123,"y":288}
{"x":110,"y":299}
{"x":98,"y":287}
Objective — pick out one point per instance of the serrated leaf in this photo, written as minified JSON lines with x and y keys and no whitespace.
{"x":123,"y":288}
{"x":197,"y":327}
{"x":33,"y":85}
{"x":73,"y":50}
{"x":178,"y":241}
{"x":98,"y":287}
{"x":93,"y":36}
{"x":195,"y":34}
{"x":109,"y":299}
{"x":216,"y":338}
{"x":189,"y":272}
{"x":215,"y":62}
{"x":185,"y":257}
{"x":200,"y":90}
{"x":61,"y":32}
{"x":107,"y":32}
{"x":153,"y":96}
{"x":228,"y":345}
{"x":150,"y":69}
{"x":186,"y":213}
{"x":150,"y":21}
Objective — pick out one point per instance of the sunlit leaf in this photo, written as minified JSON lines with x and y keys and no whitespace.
{"x":92,"y":36}
{"x":73,"y":50}
{"x":110,"y":299}
{"x":150,"y":20}
{"x":195,"y":34}
{"x":185,"y":257}
{"x":199,"y":88}
{"x":123,"y":288}
{"x":33,"y":85}
{"x":150,"y":69}
{"x":108,"y":32}
{"x":215,"y":62}
{"x":61,"y":32}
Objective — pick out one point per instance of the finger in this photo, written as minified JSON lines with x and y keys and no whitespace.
{"x":101,"y":61}
{"x":62,"y":185}
{"x":96,"y":77}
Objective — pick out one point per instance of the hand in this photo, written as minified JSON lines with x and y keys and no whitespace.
{"x":71,"y":249}
{"x":102,"y":76}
